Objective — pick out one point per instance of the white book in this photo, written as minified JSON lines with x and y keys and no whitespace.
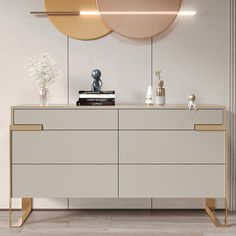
{"x":97,"y":96}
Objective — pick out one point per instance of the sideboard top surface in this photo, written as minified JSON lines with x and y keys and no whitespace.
{"x":116,"y":107}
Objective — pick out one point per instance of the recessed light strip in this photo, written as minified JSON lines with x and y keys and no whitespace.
{"x":97,"y":13}
{"x":181,"y":13}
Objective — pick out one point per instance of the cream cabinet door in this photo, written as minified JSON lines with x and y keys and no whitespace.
{"x":68,"y":119}
{"x":75,"y":181}
{"x":58,"y":147}
{"x":172,"y":147}
{"x":168,"y":119}
{"x":172,"y":181}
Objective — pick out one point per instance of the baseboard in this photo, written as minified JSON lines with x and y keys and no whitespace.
{"x":112,"y":203}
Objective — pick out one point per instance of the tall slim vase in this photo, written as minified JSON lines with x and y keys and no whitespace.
{"x":43,"y":96}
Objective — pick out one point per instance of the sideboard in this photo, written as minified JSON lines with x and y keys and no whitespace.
{"x":123,"y":151}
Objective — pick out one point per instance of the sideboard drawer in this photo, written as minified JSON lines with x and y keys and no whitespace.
{"x":68,"y":119}
{"x":90,"y":181}
{"x":58,"y":147}
{"x":168,"y":119}
{"x":172,"y":181}
{"x":172,"y":146}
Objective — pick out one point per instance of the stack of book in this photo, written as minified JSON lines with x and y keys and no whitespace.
{"x":90,"y":98}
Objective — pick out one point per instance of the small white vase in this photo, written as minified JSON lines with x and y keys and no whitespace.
{"x":43,"y":96}
{"x":160,"y":100}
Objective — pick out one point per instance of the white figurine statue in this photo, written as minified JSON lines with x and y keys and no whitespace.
{"x":191,"y":102}
{"x":149,"y":97}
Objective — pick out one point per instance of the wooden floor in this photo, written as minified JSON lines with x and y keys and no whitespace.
{"x":117,"y":223}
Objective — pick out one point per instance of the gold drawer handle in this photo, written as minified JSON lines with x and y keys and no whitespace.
{"x":26,"y":127}
{"x":209,"y":127}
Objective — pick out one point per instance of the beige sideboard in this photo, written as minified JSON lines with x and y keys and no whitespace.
{"x":127,"y":151}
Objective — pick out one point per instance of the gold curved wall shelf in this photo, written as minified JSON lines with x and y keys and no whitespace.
{"x":81,"y":27}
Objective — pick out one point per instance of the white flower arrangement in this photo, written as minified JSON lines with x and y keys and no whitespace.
{"x":44,"y":70}
{"x":158,"y":74}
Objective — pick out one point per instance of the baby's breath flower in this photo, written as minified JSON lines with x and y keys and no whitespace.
{"x":44,"y":70}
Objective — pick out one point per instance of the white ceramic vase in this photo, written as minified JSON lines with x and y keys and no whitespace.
{"x":43,"y":95}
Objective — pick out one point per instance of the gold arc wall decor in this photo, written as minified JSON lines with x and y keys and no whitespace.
{"x":81,"y":27}
{"x":93,"y":19}
{"x":139,"y":25}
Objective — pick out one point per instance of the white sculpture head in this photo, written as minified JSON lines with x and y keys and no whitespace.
{"x":192,"y":97}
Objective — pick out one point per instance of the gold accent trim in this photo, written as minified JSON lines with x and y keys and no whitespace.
{"x":213,"y":127}
{"x":209,"y":127}
{"x":26,"y":204}
{"x":210,"y":204}
{"x":26,"y":127}
{"x":55,"y":13}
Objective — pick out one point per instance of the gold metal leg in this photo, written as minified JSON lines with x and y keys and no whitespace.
{"x":26,"y":207}
{"x":210,"y":204}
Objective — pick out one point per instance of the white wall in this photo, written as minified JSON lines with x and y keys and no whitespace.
{"x":193,"y":55}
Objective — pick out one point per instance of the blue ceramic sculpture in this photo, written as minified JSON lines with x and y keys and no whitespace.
{"x":97,"y":82}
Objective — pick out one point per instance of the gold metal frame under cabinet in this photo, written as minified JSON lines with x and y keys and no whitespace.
{"x":26,"y":203}
{"x":210,"y":203}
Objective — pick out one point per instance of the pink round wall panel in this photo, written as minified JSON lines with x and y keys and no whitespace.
{"x":139,"y":18}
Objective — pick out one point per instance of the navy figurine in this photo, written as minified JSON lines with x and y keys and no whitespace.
{"x":97,"y":83}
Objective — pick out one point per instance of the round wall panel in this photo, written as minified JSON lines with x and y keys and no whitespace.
{"x":139,"y":18}
{"x":84,"y":27}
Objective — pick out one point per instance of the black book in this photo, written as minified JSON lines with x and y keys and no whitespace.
{"x":108,"y":103}
{"x":84,"y":100}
